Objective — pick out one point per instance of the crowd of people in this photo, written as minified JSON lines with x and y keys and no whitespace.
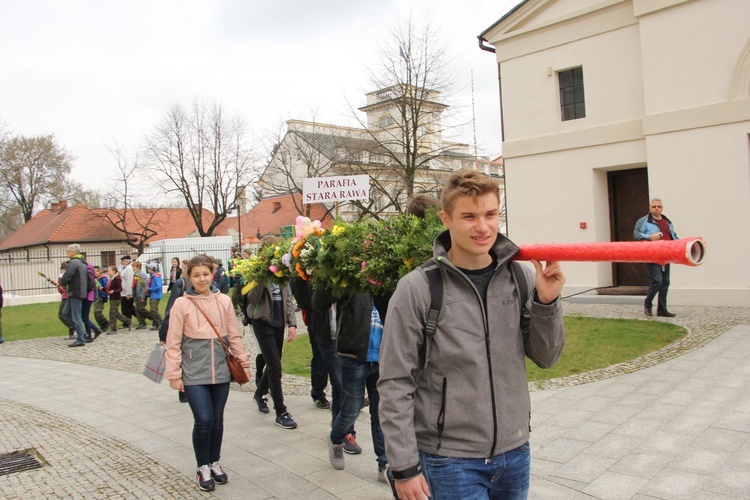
{"x":445,"y":412}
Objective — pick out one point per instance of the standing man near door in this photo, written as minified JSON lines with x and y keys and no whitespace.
{"x":654,"y":227}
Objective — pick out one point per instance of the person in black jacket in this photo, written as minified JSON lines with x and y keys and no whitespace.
{"x":358,"y":333}
{"x":75,"y":279}
{"x":302,"y":291}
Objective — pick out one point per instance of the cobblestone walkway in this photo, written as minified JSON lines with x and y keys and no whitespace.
{"x":84,"y":463}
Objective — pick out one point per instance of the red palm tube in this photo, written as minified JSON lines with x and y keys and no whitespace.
{"x":687,"y":251}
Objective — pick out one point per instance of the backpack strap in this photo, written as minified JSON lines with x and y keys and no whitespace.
{"x":433,"y":274}
{"x":522,"y":291}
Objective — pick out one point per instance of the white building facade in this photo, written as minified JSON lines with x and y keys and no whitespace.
{"x":609,"y":103}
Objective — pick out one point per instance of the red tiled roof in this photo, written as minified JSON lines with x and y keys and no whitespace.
{"x":79,"y":224}
{"x":269,"y":215}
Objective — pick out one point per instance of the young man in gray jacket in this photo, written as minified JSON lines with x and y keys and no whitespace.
{"x":458,"y":427}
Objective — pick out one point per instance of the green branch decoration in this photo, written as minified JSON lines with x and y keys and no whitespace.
{"x":366,"y":256}
{"x":54,"y":283}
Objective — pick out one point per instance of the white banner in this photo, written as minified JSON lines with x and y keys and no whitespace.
{"x":340,"y":188}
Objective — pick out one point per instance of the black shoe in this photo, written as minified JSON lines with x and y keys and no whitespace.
{"x":1,"y":339}
{"x":205,"y":481}
{"x":647,"y":311}
{"x":154,"y":328}
{"x":141,"y":327}
{"x":97,"y":333}
{"x":77,"y":344}
{"x":666,"y":314}
{"x":72,"y":337}
{"x":262,"y":404}
{"x":88,"y":340}
{"x":285,"y":420}
{"x":128,"y":324}
{"x":182,"y":397}
{"x":218,"y":474}
{"x":323,"y":404}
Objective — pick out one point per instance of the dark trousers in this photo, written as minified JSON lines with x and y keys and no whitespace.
{"x":333,"y":365}
{"x":86,"y":317}
{"x":359,"y":376}
{"x":128,"y":308}
{"x":99,"y":314}
{"x":64,"y":319}
{"x":207,"y":403}
{"x":115,"y":314}
{"x":141,"y":311}
{"x":318,"y":371}
{"x":659,"y":284}
{"x":271,"y":343}
{"x":153,"y":307}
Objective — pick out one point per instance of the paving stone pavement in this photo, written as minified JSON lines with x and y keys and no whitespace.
{"x":673,"y":424}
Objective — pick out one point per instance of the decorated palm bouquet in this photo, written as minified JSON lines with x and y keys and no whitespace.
{"x":366,"y":256}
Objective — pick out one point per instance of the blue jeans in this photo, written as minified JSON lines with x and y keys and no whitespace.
{"x":72,"y":311}
{"x":333,"y":367}
{"x":358,"y":376}
{"x":503,"y":476}
{"x":207,"y":403}
{"x":659,"y":284}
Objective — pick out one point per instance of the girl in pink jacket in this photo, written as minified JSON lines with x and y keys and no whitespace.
{"x":197,"y":364}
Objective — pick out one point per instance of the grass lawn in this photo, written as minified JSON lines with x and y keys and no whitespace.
{"x":590,"y":343}
{"x":34,"y":321}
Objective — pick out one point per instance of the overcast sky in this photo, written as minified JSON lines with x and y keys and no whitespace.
{"x":93,"y":72}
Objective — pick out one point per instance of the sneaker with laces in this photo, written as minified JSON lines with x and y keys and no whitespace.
{"x":205,"y":481}
{"x":383,"y":473}
{"x":336,"y":454}
{"x":262,"y":403}
{"x":285,"y":420}
{"x":350,"y":445}
{"x":218,"y":474}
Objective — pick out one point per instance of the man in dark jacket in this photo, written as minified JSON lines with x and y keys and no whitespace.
{"x":358,"y":334}
{"x":75,"y":279}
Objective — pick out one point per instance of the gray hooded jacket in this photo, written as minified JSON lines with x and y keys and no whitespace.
{"x":472,"y":398}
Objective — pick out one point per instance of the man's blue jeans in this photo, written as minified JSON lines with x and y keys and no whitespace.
{"x":356,"y":377}
{"x":207,"y":403}
{"x":503,"y":476}
{"x":72,"y":311}
{"x":333,"y":368}
{"x":659,"y":284}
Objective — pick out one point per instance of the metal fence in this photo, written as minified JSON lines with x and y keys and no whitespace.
{"x":20,"y":269}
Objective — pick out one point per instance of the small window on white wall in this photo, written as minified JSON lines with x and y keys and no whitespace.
{"x":572,"y":101}
{"x":386,"y":121}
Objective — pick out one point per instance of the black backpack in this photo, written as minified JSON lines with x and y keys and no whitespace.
{"x":433,"y":273}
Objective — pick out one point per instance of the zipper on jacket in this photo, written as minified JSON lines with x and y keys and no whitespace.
{"x":441,"y":415}
{"x":485,"y":321}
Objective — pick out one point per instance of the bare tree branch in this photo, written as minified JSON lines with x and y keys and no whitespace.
{"x":204,"y":158}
